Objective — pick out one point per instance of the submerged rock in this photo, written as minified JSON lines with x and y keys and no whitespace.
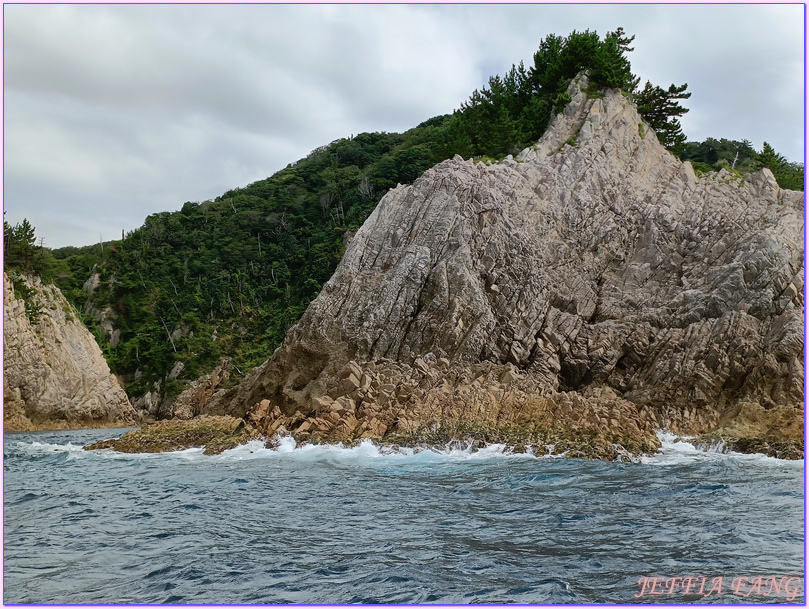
{"x":55,"y":375}
{"x":607,"y":290}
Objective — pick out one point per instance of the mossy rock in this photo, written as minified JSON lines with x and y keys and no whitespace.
{"x":216,"y":434}
{"x":574,"y":444}
{"x":778,"y":448}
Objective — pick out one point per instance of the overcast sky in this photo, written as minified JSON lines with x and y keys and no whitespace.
{"x":114,"y":112}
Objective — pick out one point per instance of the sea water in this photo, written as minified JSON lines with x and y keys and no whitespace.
{"x":326,"y":524}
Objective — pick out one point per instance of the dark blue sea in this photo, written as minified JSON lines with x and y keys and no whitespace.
{"x":334,"y":525}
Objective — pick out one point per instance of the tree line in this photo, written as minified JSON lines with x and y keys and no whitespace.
{"x":740,"y":157}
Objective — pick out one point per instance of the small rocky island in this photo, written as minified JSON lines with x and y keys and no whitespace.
{"x":577,"y":299}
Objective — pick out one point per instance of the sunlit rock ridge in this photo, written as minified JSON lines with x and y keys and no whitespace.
{"x":594,"y":276}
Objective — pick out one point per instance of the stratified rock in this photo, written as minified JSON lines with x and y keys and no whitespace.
{"x":194,"y":399}
{"x":595,"y":259}
{"x":427,"y":405}
{"x":55,"y":375}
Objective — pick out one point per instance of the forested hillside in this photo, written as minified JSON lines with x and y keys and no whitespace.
{"x":228,"y":277}
{"x":712,"y":155}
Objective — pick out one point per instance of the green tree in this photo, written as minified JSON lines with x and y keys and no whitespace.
{"x":788,"y":175}
{"x":769,"y":158}
{"x":20,"y":251}
{"x":660,"y":109}
{"x":514,"y":110}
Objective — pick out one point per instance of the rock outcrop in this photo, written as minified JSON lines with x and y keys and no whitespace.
{"x":215,"y":434}
{"x":55,"y":375}
{"x":595,"y":264}
{"x":193,"y":400}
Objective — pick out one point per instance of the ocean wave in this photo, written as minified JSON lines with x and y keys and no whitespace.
{"x":287,"y":448}
{"x":676,"y":450}
{"x":36,"y":448}
{"x":76,"y":451}
{"x":368,"y":451}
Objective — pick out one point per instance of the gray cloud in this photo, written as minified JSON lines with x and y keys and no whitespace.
{"x":113,"y":112}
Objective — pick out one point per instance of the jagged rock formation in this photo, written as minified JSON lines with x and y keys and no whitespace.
{"x":432,"y":403}
{"x":594,"y":262}
{"x":55,"y":375}
{"x":194,"y":398}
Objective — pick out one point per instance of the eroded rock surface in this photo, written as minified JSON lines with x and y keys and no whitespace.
{"x":432,"y":403}
{"x":193,"y":400}
{"x":55,"y":375}
{"x":594,"y":262}
{"x":216,"y":434}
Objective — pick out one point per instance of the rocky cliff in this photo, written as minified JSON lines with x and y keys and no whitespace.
{"x":55,"y":375}
{"x":592,"y":287}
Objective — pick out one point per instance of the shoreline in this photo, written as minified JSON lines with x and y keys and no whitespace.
{"x":56,"y":426}
{"x":218,"y":434}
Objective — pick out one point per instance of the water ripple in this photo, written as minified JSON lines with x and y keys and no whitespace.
{"x":365,"y":525}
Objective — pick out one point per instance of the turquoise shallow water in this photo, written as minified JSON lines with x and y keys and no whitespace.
{"x":333,"y":525}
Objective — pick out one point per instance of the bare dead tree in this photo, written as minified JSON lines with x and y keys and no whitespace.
{"x":171,"y":340}
{"x":365,"y":188}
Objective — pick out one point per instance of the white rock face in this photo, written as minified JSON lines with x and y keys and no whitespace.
{"x":595,"y":258}
{"x":55,"y":375}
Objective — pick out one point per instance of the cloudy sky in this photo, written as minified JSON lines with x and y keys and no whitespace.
{"x":114,"y":112}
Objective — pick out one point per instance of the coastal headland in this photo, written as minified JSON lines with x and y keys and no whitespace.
{"x":579,"y":298}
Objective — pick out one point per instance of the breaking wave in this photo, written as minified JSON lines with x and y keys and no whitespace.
{"x":677,"y":450}
{"x":674,"y":450}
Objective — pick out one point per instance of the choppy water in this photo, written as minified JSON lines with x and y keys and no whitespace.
{"x":333,"y":525}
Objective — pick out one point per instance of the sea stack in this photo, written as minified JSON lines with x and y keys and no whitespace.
{"x":584,"y":295}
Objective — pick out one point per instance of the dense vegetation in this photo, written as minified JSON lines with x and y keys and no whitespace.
{"x":712,"y":155}
{"x":228,"y":277}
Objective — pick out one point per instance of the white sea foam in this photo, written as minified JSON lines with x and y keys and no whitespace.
{"x":677,"y":450}
{"x":287,"y":448}
{"x":76,"y":451}
{"x":35,"y":448}
{"x":368,"y":452}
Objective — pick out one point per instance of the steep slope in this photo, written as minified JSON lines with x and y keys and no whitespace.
{"x":595,"y":262}
{"x":54,"y":373}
